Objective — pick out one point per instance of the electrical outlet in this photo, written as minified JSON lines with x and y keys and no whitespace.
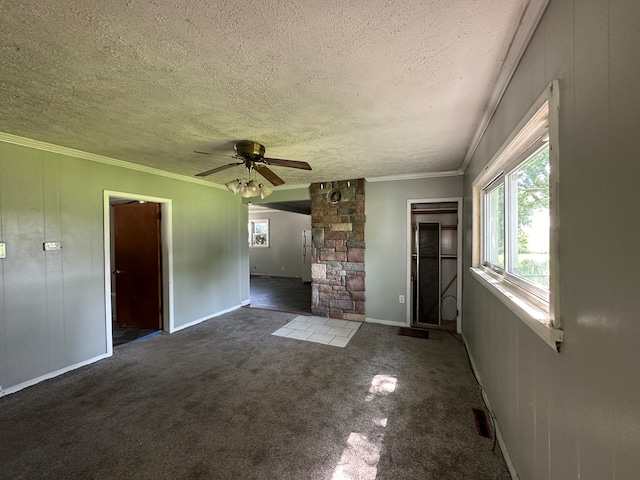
{"x":47,"y":246}
{"x":283,"y":269}
{"x":401,"y":298}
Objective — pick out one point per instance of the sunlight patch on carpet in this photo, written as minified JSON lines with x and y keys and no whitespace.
{"x":360,"y":458}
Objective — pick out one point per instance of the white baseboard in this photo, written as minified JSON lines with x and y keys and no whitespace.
{"x":28,"y":383}
{"x":385,"y":322}
{"x":498,"y":434}
{"x":200,"y":320}
{"x":47,"y":376}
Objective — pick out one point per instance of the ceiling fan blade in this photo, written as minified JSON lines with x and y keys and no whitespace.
{"x":215,"y":154}
{"x":268,"y":174}
{"x":279,"y":162}
{"x":217,"y":169}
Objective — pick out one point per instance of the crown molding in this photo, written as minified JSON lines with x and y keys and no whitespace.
{"x":526,"y":28}
{"x":414,"y":176}
{"x":71,"y":152}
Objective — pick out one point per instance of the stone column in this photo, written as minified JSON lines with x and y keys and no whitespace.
{"x":337,"y":270}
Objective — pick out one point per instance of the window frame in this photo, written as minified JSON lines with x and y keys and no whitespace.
{"x":536,"y":307}
{"x":510,"y":221}
{"x":488,"y":190}
{"x":253,"y":233}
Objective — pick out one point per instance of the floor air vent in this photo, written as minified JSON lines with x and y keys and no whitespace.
{"x":482,"y":425}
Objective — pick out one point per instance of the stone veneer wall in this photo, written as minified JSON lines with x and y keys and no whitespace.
{"x":337,"y":268}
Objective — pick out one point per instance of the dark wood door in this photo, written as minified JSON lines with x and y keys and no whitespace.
{"x":138,"y":268}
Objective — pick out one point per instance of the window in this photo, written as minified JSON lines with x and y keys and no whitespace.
{"x":515,"y":211}
{"x":259,"y":233}
{"x":516,"y":221}
{"x":494,"y":226}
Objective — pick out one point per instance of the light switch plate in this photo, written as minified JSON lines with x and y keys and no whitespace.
{"x":3,"y":250}
{"x":52,"y":246}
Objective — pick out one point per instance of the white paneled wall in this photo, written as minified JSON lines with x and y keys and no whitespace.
{"x":573,"y":414}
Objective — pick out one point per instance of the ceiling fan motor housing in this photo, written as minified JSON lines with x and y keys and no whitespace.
{"x":249,"y":149}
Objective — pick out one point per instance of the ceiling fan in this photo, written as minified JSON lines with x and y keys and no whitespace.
{"x":250,"y":154}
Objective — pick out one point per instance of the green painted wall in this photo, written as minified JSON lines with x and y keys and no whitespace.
{"x":386,"y":234}
{"x":52,"y":305}
{"x":285,"y":195}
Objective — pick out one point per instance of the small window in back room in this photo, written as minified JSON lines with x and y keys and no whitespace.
{"x":259,"y":233}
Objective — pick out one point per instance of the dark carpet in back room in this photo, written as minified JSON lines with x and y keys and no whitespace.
{"x":280,"y":293}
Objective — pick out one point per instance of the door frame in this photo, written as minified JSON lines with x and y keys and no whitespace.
{"x":409,"y":233}
{"x":166,"y":239}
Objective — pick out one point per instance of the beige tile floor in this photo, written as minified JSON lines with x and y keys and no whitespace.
{"x":328,"y":331}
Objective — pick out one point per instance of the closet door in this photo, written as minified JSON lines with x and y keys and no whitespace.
{"x":427,"y":310}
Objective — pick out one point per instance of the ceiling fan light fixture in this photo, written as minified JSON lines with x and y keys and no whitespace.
{"x":265,"y":191}
{"x":251,"y":189}
{"x":234,"y":186}
{"x":251,"y":155}
{"x":248,"y":188}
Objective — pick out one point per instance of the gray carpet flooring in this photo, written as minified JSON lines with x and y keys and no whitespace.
{"x":227,"y":400}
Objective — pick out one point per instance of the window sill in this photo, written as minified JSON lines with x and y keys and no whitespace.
{"x":532,"y":314}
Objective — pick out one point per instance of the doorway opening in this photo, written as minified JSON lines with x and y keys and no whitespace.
{"x":280,"y":293}
{"x":280,"y":256}
{"x":434,"y":246}
{"x":138,"y":267}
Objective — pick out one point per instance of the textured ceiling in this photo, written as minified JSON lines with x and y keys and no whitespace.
{"x":357,"y":88}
